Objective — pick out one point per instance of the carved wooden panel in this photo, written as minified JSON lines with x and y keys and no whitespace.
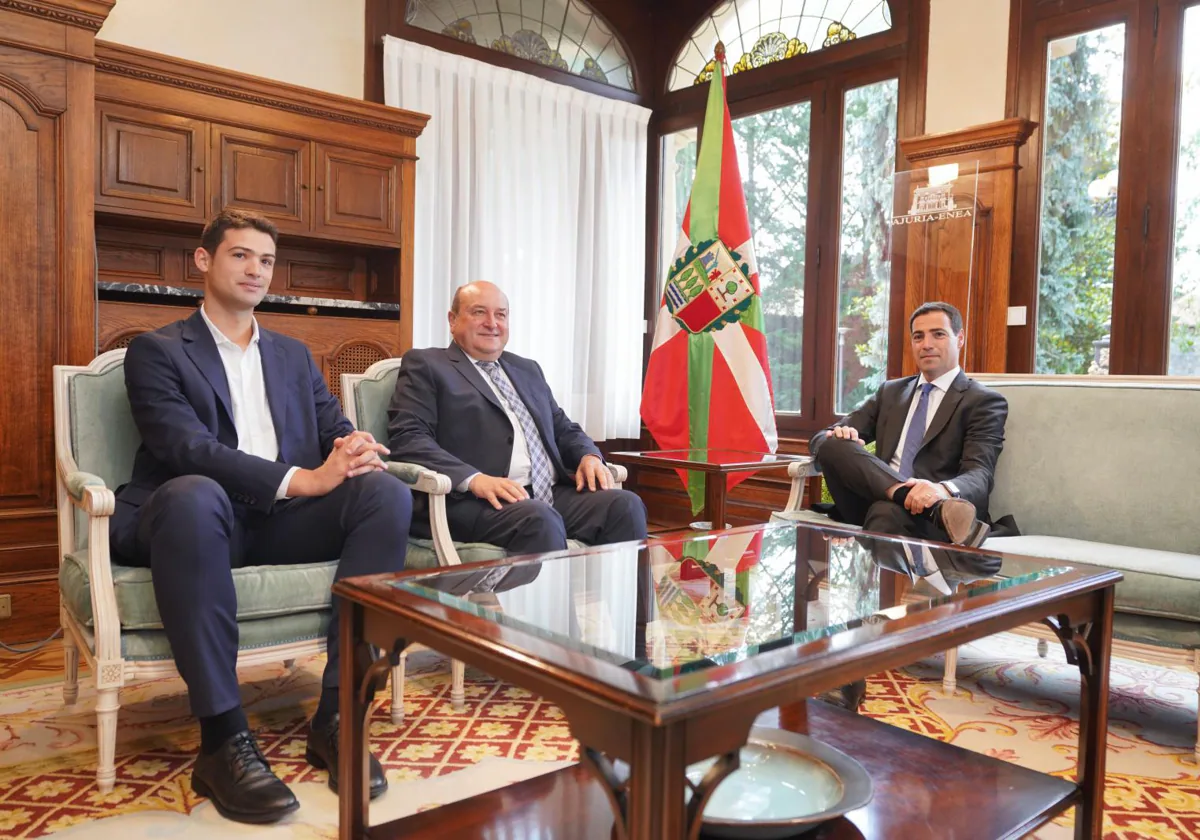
{"x":151,"y":162}
{"x":357,"y":191}
{"x":265,"y":172}
{"x":29,"y":233}
{"x":332,"y":274}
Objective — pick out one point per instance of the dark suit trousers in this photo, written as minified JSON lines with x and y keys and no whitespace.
{"x":191,"y":537}
{"x":859,"y":483}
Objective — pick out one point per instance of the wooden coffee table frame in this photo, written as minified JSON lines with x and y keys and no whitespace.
{"x":615,"y":713}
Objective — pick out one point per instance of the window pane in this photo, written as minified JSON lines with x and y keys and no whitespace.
{"x":1185,"y":299}
{"x":679,"y":170}
{"x":864,"y":270}
{"x":1081,"y":130}
{"x":772,"y":152}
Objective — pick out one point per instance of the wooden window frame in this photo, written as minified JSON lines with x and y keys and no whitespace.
{"x":1145,"y":221}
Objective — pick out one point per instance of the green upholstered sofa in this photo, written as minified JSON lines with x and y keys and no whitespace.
{"x":108,"y":611}
{"x":1102,"y":470}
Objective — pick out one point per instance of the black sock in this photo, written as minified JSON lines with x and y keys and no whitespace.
{"x":327,"y":707}
{"x":901,"y":494}
{"x":216,"y":730}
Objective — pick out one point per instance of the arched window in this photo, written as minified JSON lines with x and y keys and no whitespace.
{"x":758,"y":32}
{"x":564,"y":34}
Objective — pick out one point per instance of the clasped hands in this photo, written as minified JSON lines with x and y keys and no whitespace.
{"x":356,"y":454}
{"x":496,"y":490}
{"x":922,"y":494}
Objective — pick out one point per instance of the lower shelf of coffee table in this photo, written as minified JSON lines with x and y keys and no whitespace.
{"x":923,"y":788}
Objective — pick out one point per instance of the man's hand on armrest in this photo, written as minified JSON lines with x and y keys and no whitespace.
{"x":353,"y":455}
{"x":592,"y":472}
{"x":496,"y":490}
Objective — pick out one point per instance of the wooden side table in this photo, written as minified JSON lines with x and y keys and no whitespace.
{"x":716,"y":464}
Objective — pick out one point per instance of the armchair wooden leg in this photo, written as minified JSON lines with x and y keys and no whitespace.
{"x":950,"y":675}
{"x":1043,"y":648}
{"x":70,"y":669}
{"x":458,"y":693}
{"x":398,"y":689}
{"x":1196,"y":669}
{"x":108,"y":703}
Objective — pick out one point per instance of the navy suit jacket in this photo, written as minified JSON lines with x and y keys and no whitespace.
{"x":445,"y":417}
{"x":179,"y":395}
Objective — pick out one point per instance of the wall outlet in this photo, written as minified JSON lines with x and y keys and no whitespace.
{"x":5,"y":606}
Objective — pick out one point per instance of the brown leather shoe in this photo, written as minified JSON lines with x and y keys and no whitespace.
{"x":957,"y":518}
{"x":322,"y":752}
{"x":241,"y":784}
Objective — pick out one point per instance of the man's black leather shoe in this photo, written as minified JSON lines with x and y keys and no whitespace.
{"x":240,"y":783}
{"x":322,"y":753}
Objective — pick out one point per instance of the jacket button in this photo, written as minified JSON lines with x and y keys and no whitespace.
{"x":510,"y":439}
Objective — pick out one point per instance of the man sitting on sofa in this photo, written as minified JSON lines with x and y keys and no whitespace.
{"x":938,"y":436}
{"x":524,"y":476}
{"x":245,"y":458}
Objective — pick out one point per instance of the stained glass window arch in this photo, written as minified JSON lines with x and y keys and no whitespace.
{"x":565,"y":34}
{"x":759,"y":32}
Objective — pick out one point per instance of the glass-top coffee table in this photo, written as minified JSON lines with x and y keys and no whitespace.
{"x":662,"y":654}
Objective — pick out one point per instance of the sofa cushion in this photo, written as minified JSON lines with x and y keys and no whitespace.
{"x":1163,"y":584}
{"x":262,"y":591}
{"x":152,"y":645}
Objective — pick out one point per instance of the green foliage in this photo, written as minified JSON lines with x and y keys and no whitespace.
{"x":1081,"y":145}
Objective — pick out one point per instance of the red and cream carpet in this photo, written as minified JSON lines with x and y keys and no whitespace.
{"x":1010,"y":704}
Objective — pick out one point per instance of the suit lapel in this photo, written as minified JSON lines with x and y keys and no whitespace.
{"x":202,"y":350}
{"x":896,"y":413}
{"x":274,"y":367}
{"x":946,"y":410}
{"x":463,"y":364}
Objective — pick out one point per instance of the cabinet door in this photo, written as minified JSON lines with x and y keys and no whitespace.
{"x":265,"y":172}
{"x":357,"y":194}
{"x":150,"y":163}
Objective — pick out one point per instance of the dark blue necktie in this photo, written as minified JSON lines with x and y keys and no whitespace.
{"x":916,"y":432}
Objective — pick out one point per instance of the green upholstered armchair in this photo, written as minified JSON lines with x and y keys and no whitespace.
{"x":108,"y":611}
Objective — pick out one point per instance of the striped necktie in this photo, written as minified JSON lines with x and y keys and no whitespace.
{"x":542,"y":472}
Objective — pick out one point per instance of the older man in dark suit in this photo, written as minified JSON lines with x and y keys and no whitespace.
{"x":245,"y":458}
{"x":937,"y":438}
{"x":523,"y":475}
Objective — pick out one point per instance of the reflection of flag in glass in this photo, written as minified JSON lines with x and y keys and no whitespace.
{"x":708,"y":382}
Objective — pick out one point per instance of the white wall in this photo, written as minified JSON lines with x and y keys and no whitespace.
{"x":968,"y":63}
{"x":313,"y":43}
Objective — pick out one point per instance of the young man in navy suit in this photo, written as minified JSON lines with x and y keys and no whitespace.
{"x":246,"y":459}
{"x":524,"y":476}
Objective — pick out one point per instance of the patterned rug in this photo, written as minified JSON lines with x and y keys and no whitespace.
{"x":1010,"y":704}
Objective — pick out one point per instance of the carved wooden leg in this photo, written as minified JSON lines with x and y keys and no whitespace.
{"x":1196,"y":668}
{"x":398,"y":689}
{"x":950,"y":675}
{"x":1043,"y":648}
{"x":70,"y":669}
{"x":458,"y":692}
{"x":108,"y":703}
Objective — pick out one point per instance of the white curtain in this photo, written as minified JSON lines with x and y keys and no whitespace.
{"x":541,"y":189}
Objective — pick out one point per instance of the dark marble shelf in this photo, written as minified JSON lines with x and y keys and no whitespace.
{"x":112,"y":290}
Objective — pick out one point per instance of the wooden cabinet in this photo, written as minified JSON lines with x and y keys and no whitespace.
{"x":151,"y":163}
{"x":47,"y":310}
{"x":357,"y":192}
{"x":269,"y":173}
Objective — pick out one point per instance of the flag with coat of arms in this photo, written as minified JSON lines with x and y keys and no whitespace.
{"x":708,"y":383}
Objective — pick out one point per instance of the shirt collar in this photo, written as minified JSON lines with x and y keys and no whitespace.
{"x":220,"y":337}
{"x":943,"y":382}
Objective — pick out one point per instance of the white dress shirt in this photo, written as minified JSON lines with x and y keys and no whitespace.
{"x":940,"y":386}
{"x":520,"y":469}
{"x":248,"y":395}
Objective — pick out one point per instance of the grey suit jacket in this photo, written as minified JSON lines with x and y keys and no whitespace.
{"x":962,"y":443}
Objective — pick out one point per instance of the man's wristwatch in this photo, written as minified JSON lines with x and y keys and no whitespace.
{"x":952,"y":489}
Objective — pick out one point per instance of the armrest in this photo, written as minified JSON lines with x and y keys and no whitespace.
{"x":799,"y":471}
{"x":419,"y":478}
{"x":89,"y":492}
{"x":620,"y":474}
